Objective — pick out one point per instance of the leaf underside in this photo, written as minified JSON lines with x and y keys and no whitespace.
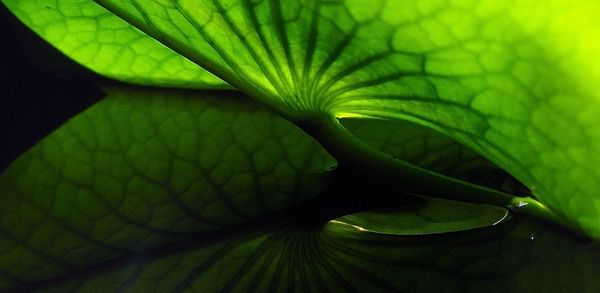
{"x":512,"y":85}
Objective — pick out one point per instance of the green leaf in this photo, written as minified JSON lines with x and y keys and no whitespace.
{"x":147,"y":167}
{"x":109,"y":46}
{"x":512,"y":80}
{"x":435,"y":216}
{"x":512,"y":257}
{"x":57,"y":197}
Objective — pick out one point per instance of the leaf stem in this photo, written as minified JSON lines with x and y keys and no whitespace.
{"x":356,"y":155}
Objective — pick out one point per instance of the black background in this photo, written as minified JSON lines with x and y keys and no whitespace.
{"x":39,"y":88}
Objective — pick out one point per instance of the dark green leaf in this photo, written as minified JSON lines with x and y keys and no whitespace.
{"x":143,"y":168}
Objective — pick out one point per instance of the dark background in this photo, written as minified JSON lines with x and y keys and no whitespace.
{"x":39,"y":88}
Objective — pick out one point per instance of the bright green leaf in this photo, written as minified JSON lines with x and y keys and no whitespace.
{"x":513,"y":80}
{"x":147,"y":167}
{"x":109,"y":46}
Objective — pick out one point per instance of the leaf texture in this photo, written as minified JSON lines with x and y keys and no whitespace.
{"x":109,"y":46}
{"x":512,"y":80}
{"x":147,"y":167}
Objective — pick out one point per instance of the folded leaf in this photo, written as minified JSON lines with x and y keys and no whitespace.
{"x":147,"y":167}
{"x":109,"y":46}
{"x":513,"y":80}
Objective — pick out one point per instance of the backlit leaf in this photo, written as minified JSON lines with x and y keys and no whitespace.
{"x":513,"y":80}
{"x":109,"y":46}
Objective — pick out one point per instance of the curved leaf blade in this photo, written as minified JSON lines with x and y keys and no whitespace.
{"x":511,"y":80}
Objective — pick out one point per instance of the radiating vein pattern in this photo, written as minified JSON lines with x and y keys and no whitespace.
{"x":109,"y":46}
{"x":510,"y":79}
{"x":341,"y":258}
{"x":143,"y":168}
